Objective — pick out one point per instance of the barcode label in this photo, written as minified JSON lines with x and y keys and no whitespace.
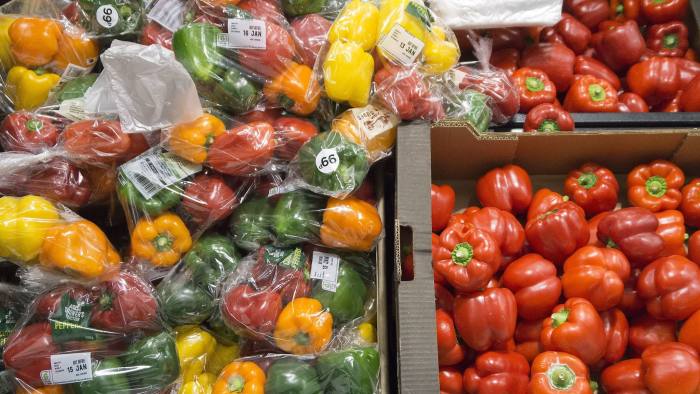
{"x":401,"y":45}
{"x":244,"y":34}
{"x":68,"y":368}
{"x":169,"y":13}
{"x":324,"y":267}
{"x":73,"y":71}
{"x":152,"y":173}
{"x":455,"y":78}
{"x":374,"y":121}
{"x":73,"y":109}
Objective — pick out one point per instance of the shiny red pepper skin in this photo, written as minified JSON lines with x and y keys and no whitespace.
{"x":694,"y":247}
{"x":548,"y":117}
{"x":497,"y":372}
{"x":593,"y":188}
{"x":660,"y":11}
{"x":558,"y":233}
{"x":573,"y":33}
{"x":450,"y":380}
{"x":443,"y":298}
{"x":506,"y":59}
{"x":690,"y":204}
{"x":689,"y":100}
{"x":655,"y":186}
{"x":634,"y":102}
{"x":26,"y":132}
{"x":624,"y":377}
{"x":450,"y":352}
{"x":442,"y":203}
{"x":590,"y":94}
{"x":505,"y":229}
{"x":668,"y":39}
{"x":534,"y":87}
{"x":208,"y":199}
{"x":687,"y":70}
{"x":485,"y":318}
{"x":28,"y":352}
{"x":671,"y":368}
{"x":655,"y":79}
{"x":616,"y":329}
{"x":543,"y":201}
{"x":633,"y":231}
{"x":535,"y":284}
{"x":291,"y":133}
{"x":646,"y":331}
{"x":557,"y":60}
{"x":690,"y":330}
{"x":620,"y":44}
{"x":58,"y":180}
{"x":622,"y":10}
{"x":589,"y":12}
{"x":672,"y":230}
{"x":527,"y":338}
{"x":586,"y":65}
{"x":575,"y":327}
{"x":508,"y":188}
{"x":671,"y":287}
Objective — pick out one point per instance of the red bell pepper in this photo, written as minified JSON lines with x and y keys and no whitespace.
{"x":549,"y":34}
{"x":28,"y":352}
{"x":690,"y":204}
{"x":450,"y":351}
{"x":590,"y":94}
{"x":593,"y":188}
{"x":155,"y":33}
{"x":586,"y":65}
{"x":450,"y":379}
{"x":101,"y":141}
{"x":616,"y":330}
{"x":58,"y":180}
{"x":593,"y":229}
{"x":558,"y":373}
{"x":126,"y":304}
{"x":646,"y":331}
{"x":508,"y":37}
{"x":631,"y":303}
{"x":548,"y":117}
{"x":624,"y":377}
{"x":466,"y":257}
{"x":660,"y":11}
{"x":243,"y":150}
{"x":633,"y":231}
{"x":254,"y":311}
{"x":694,"y":247}
{"x":589,"y":12}
{"x":309,"y":33}
{"x":27,"y":132}
{"x":655,"y":79}
{"x":279,"y":51}
{"x":534,"y":87}
{"x":596,"y":274}
{"x":508,"y":188}
{"x":443,"y":298}
{"x":671,"y":368}
{"x":48,"y":303}
{"x":655,"y":186}
{"x":535,"y":284}
{"x":543,"y":201}
{"x":620,"y":44}
{"x":689,"y":100}
{"x":506,"y":59}
{"x":575,"y":327}
{"x":442,"y":203}
{"x":634,"y":102}
{"x":291,"y":133}
{"x":573,"y":33}
{"x":496,"y":85}
{"x":668,"y":39}
{"x":691,"y":55}
{"x":498,"y":372}
{"x":556,"y":60}
{"x":689,"y":331}
{"x":485,"y":318}
{"x":208,"y":199}
{"x":671,"y":287}
{"x":559,"y":232}
{"x":405,"y":91}
{"x":672,"y":230}
{"x":622,"y":10}
{"x":687,"y":70}
{"x":672,"y":105}
{"x":527,"y":338}
{"x":505,"y":229}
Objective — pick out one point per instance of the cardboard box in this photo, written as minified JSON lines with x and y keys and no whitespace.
{"x":451,"y":152}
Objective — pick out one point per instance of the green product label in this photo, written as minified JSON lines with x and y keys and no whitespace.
{"x":70,"y":321}
{"x":420,"y":12}
{"x":289,"y":258}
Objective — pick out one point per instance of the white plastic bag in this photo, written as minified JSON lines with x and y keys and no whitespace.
{"x":482,"y":14}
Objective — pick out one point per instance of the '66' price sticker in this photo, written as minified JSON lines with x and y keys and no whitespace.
{"x":327,"y":161}
{"x":107,"y":16}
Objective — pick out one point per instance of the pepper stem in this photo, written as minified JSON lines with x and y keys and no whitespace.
{"x":620,"y":9}
{"x":302,"y":338}
{"x":656,"y":186}
{"x":610,"y":244}
{"x":236,"y":383}
{"x":34,"y":125}
{"x":462,"y":254}
{"x":163,"y":242}
{"x":671,"y":41}
{"x":548,"y":126}
{"x":587,"y":180}
{"x":559,"y":318}
{"x":106,"y":301}
{"x":560,"y":377}
{"x":596,"y":92}
{"x":594,"y":386}
{"x":534,"y":84}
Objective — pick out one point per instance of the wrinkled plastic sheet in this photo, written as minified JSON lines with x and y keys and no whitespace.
{"x":482,"y":14}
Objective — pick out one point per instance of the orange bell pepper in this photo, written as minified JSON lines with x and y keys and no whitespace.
{"x":75,"y":48}
{"x":78,"y":248}
{"x":191,"y":140}
{"x":351,"y":223}
{"x":240,"y":377}
{"x":34,"y":41}
{"x":55,"y":389}
{"x":295,"y":89}
{"x":303,"y":327}
{"x":162,"y":240}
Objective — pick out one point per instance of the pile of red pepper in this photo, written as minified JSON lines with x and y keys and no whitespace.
{"x":569,"y":293}
{"x":602,"y":56}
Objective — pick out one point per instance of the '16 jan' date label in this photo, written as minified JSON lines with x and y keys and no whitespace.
{"x":244,"y":34}
{"x":401,"y":45}
{"x":68,"y":368}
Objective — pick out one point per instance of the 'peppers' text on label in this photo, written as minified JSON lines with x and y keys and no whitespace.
{"x":152,"y":173}
{"x":244,"y":34}
{"x":324,"y":267}
{"x":107,"y":16}
{"x":401,"y":45}
{"x":68,"y":368}
{"x":327,"y":160}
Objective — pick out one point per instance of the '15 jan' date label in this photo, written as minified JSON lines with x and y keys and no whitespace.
{"x":68,"y":368}
{"x":324,"y":267}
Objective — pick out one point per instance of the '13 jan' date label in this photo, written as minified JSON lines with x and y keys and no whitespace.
{"x":68,"y":368}
{"x":401,"y":45}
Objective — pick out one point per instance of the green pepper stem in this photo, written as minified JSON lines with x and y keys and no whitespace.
{"x":105,"y":301}
{"x":610,"y":244}
{"x":34,"y":125}
{"x":302,"y":338}
{"x":596,"y":92}
{"x":560,"y":377}
{"x":671,"y":41}
{"x":163,"y":242}
{"x":656,"y":186}
{"x":587,"y":180}
{"x":548,"y":126}
{"x":594,"y":386}
{"x":620,"y":9}
{"x":236,"y":383}
{"x":559,"y":318}
{"x":534,"y":84}
{"x":462,"y":254}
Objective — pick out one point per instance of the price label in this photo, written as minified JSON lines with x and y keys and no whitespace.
{"x":73,"y":109}
{"x":68,"y":368}
{"x":152,"y":173}
{"x":169,"y":13}
{"x":374,"y":121}
{"x":401,"y":46}
{"x":244,"y":34}
{"x":324,"y":267}
{"x":327,"y":161}
{"x":455,"y":78}
{"x":107,"y":16}
{"x":73,"y":71}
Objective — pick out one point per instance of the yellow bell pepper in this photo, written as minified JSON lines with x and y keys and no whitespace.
{"x":439,"y":54}
{"x":357,"y":23}
{"x":392,"y":12}
{"x":5,"y":52}
{"x":371,"y":126}
{"x":347,"y":73}
{"x":223,"y":355}
{"x":24,"y":223}
{"x":367,"y":333}
{"x":202,"y":384}
{"x":29,"y":89}
{"x":195,"y":347}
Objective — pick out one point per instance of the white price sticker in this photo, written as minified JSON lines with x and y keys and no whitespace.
{"x":107,"y":16}
{"x":169,"y":13}
{"x":151,"y":173}
{"x":374,"y":121}
{"x":244,"y":34}
{"x":73,"y":71}
{"x":401,"y":45}
{"x":327,"y":160}
{"x":455,"y":77}
{"x":73,"y":109}
{"x":68,"y":368}
{"x":324,"y":267}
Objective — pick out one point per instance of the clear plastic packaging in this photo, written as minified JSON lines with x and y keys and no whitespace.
{"x":309,"y":33}
{"x":408,"y":93}
{"x":372,"y":126}
{"x":107,"y":19}
{"x":13,"y":302}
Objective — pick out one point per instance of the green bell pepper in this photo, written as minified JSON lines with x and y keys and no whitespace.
{"x":162,"y":201}
{"x":108,"y":377}
{"x":195,"y":47}
{"x":236,"y":93}
{"x":292,"y":376}
{"x":349,"y":371}
{"x":332,"y":165}
{"x":472,"y":107}
{"x":348,"y":300}
{"x":211,"y":258}
{"x":296,"y":218}
{"x":103,"y":19}
{"x":183,"y":302}
{"x":75,"y":88}
{"x":302,"y":7}
{"x":152,"y":362}
{"x":250,"y":224}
